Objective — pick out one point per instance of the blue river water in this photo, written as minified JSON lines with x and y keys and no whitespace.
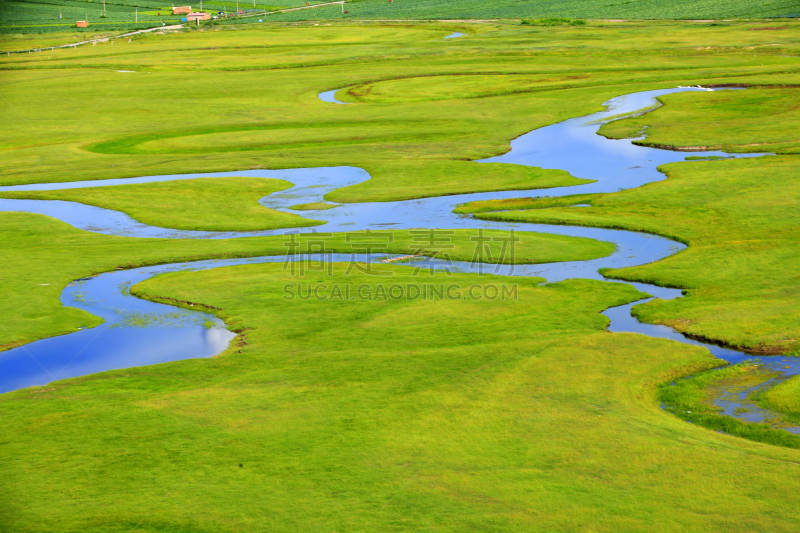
{"x":137,"y":332}
{"x":330,"y":97}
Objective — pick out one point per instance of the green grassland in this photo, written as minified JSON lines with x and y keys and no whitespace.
{"x":253,"y":92}
{"x":41,"y":256}
{"x":757,"y":120}
{"x":692,"y":399}
{"x":381,"y":415}
{"x":313,"y":206}
{"x":216,"y":204}
{"x":516,"y":204}
{"x":507,"y":416}
{"x":27,"y":41}
{"x":784,"y":398}
{"x":739,"y":219}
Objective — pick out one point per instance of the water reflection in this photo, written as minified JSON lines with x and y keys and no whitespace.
{"x":137,"y":332}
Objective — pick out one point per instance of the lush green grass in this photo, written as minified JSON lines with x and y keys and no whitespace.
{"x":41,"y":256}
{"x":784,"y":398}
{"x":217,"y":204}
{"x":515,"y":204}
{"x":423,"y":88}
{"x":260,"y":109}
{"x":502,"y":416}
{"x":379,"y":415}
{"x":739,"y":218}
{"x":29,"y":41}
{"x":689,"y":399}
{"x":756,"y":120}
{"x":313,"y":206}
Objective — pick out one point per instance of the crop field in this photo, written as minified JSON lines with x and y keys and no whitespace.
{"x":21,"y":17}
{"x":390,"y":415}
{"x":573,"y":9}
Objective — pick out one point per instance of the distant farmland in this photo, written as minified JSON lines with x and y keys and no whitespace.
{"x":42,"y":16}
{"x":20,"y":16}
{"x":580,"y":9}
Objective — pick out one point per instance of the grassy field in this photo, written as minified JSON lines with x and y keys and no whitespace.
{"x":757,"y":120}
{"x":251,"y":85}
{"x":33,"y":244}
{"x":517,"y":204}
{"x":693,"y":399}
{"x":458,"y":415}
{"x":313,"y":206}
{"x":381,"y":415}
{"x":739,"y":219}
{"x":218,"y":204}
{"x":784,"y":398}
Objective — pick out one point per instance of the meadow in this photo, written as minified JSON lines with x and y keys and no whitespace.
{"x":33,"y":244}
{"x":784,"y":398}
{"x":499,"y":415}
{"x":737,"y":216}
{"x":382,"y":415}
{"x":763,"y":120}
{"x":223,"y":204}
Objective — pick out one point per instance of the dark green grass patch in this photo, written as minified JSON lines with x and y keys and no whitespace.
{"x":688,"y":399}
{"x":515,"y":204}
{"x":549,"y":10}
{"x":553,"y":22}
{"x":784,"y":398}
{"x":313,"y":206}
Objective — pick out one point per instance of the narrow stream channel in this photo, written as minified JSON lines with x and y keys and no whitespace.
{"x":173,"y":333}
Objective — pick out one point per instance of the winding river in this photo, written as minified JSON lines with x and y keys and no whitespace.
{"x":137,"y":332}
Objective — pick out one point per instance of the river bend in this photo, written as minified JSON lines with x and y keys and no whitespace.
{"x":137,"y":332}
